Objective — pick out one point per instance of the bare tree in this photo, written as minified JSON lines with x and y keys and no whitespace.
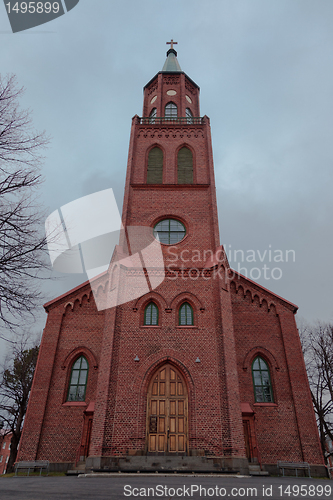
{"x":15,"y":386}
{"x":317,"y":343}
{"x":22,"y":240}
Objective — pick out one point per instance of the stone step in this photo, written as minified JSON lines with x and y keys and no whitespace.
{"x":169,"y":464}
{"x":255,"y":470}
{"x":79,"y":469}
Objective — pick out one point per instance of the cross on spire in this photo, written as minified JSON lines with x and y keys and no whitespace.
{"x":172,"y":43}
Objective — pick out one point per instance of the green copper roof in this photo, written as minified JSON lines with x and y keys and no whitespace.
{"x":171,"y":63}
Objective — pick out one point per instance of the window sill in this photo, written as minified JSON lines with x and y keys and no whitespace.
{"x":150,"y":326}
{"x":187,"y":326}
{"x":75,"y":403}
{"x":272,"y":405}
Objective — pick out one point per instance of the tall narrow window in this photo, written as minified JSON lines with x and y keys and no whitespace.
{"x":171,"y":111}
{"x":152,"y":115}
{"x":261,"y":381}
{"x":155,"y":166}
{"x":189,"y":116}
{"x":185,"y":166}
{"x":151,"y":314}
{"x":185,"y":314}
{"x":78,"y":380}
{"x":114,"y":277}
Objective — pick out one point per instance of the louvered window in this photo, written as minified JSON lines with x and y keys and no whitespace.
{"x":186,"y":315}
{"x":185,"y":166}
{"x":155,"y":166}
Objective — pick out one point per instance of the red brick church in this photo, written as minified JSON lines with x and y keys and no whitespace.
{"x":204,"y":371}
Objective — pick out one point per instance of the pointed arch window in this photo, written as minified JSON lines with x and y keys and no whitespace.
{"x":262,"y":385}
{"x":151,"y":315}
{"x":152,"y":115}
{"x":155,"y":166}
{"x":78,"y":380}
{"x":189,"y":115}
{"x":185,"y":166}
{"x":114,"y":277}
{"x":185,"y":315}
{"x":171,"y":111}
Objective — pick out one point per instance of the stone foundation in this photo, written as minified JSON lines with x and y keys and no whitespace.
{"x":168,"y":464}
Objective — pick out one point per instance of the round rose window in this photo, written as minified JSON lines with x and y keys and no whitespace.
{"x":169,"y":231}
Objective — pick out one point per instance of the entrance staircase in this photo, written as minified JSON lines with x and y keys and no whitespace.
{"x":168,"y":464}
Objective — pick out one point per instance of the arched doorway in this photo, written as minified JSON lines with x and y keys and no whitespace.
{"x":167,"y":411}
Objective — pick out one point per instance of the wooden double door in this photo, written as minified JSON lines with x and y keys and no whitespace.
{"x":167,"y":410}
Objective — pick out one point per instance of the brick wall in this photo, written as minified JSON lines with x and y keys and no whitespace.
{"x":4,"y":450}
{"x":265,"y":326}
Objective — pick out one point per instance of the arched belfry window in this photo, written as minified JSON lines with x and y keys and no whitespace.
{"x":155,"y":166}
{"x":151,"y":315}
{"x":152,"y":115}
{"x":262,"y":386}
{"x":171,"y":111}
{"x":189,"y":115}
{"x":185,"y":315}
{"x":185,"y":166}
{"x":78,"y":380}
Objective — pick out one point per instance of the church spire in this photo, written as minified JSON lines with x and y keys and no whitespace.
{"x":173,"y":88}
{"x":171,"y":64}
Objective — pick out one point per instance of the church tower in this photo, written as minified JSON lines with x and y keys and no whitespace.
{"x":201,"y":371}
{"x":174,"y":347}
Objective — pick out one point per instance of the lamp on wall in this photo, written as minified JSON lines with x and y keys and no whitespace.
{"x":198,"y":360}
{"x":136,"y":358}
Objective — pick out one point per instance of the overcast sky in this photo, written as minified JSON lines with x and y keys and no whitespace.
{"x":264,"y":68}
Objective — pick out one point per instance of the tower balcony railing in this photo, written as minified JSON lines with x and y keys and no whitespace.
{"x":171,"y":120}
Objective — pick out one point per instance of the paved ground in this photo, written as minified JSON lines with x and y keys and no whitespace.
{"x":162,"y":487}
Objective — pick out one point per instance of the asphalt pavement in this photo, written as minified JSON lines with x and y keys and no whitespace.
{"x":163,"y":487}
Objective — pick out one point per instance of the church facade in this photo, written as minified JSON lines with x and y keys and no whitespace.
{"x":204,"y":371}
